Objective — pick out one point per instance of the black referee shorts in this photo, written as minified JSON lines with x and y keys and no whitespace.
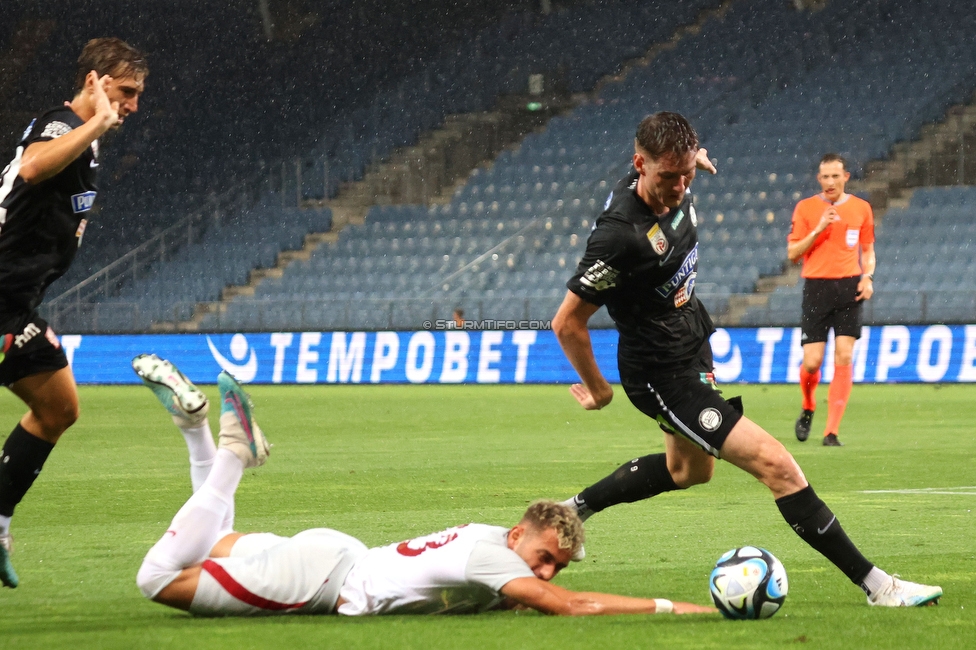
{"x":35,"y":348}
{"x":687,"y":403}
{"x":830,"y":304}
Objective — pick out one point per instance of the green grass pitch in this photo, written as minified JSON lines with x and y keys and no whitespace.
{"x":386,"y":463}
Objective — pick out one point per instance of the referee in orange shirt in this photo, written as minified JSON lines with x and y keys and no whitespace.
{"x":833,"y":232}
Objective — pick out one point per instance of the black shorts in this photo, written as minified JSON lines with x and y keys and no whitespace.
{"x":830,"y":304}
{"x":35,"y":348}
{"x":686,"y":402}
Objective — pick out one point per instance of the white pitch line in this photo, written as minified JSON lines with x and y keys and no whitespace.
{"x":950,"y":491}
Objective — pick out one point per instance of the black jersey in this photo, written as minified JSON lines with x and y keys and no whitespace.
{"x":41,"y":225}
{"x":643,"y":268}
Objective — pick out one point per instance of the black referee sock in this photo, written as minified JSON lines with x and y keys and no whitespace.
{"x":21,"y":461}
{"x":641,"y":478}
{"x":817,"y":526}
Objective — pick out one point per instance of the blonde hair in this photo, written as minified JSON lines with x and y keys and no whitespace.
{"x":546,"y":513}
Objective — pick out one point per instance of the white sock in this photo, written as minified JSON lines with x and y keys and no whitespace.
{"x":4,"y":525}
{"x":200,"y":443}
{"x":198,"y":524}
{"x":875,"y":581}
{"x":577,"y":504}
{"x":227,"y":525}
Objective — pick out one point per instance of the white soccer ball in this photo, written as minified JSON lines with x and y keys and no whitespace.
{"x":748,"y":583}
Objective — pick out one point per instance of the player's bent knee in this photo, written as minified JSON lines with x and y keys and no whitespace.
{"x":779,"y":470}
{"x":152,"y":577}
{"x":686,"y":475}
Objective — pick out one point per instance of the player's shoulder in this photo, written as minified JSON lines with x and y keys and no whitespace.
{"x":484,"y":531}
{"x":858,"y":202}
{"x":814,"y":201}
{"x":52,"y":124}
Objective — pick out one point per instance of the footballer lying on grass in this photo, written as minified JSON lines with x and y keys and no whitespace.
{"x":200,"y":565}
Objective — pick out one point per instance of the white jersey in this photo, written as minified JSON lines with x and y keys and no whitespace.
{"x":458,"y":570}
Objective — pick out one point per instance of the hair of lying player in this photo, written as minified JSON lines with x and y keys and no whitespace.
{"x":545,"y":513}
{"x":666,"y":134}
{"x":110,"y":56}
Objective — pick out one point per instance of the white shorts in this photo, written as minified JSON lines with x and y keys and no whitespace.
{"x":296,"y":575}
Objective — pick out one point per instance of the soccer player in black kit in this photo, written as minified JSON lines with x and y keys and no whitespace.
{"x":641,"y":261}
{"x":45,"y":192}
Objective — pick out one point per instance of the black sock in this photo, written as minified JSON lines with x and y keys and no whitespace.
{"x":817,"y":526}
{"x":641,"y":478}
{"x":21,"y":461}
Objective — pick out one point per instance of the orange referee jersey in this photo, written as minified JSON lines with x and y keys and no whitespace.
{"x":836,"y":252}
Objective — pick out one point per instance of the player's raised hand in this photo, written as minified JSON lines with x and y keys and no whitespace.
{"x":106,"y":109}
{"x":829,"y":216}
{"x":702,"y":162}
{"x":587,"y":400}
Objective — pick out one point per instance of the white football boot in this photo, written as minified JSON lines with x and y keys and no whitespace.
{"x":901,"y":593}
{"x":184,"y":401}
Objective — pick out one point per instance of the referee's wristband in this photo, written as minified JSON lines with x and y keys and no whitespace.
{"x":868,"y":276}
{"x":663,"y":606}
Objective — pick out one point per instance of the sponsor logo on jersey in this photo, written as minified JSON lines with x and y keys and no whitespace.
{"x":852,"y":236}
{"x":693,"y":215}
{"x":659,"y":242}
{"x":414,"y":547}
{"x":683,"y":294}
{"x":710,"y":419}
{"x":600,"y":276}
{"x":24,"y":337}
{"x":30,"y":127}
{"x":82,"y":202}
{"x":677,"y":219}
{"x":55,"y":130}
{"x":609,"y":199}
{"x":687,"y":268}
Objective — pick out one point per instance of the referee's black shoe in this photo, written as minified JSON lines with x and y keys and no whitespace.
{"x":802,"y":428}
{"x":830,"y":440}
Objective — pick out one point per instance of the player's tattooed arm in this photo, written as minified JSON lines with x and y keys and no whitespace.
{"x":570,"y":327}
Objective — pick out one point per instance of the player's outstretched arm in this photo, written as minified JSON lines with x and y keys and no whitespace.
{"x":550,"y":599}
{"x":43,"y":160}
{"x":570,"y":328}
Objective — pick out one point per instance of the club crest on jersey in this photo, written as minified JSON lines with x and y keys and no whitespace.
{"x":82,"y":202}
{"x":600,"y":276}
{"x":683,"y":295}
{"x":686,"y":270}
{"x":694,"y":217}
{"x":80,"y":233}
{"x":659,"y":242}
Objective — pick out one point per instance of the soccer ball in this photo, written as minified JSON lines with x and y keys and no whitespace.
{"x":748,"y":583}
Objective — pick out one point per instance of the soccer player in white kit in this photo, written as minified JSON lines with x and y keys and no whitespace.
{"x":200,"y":565}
